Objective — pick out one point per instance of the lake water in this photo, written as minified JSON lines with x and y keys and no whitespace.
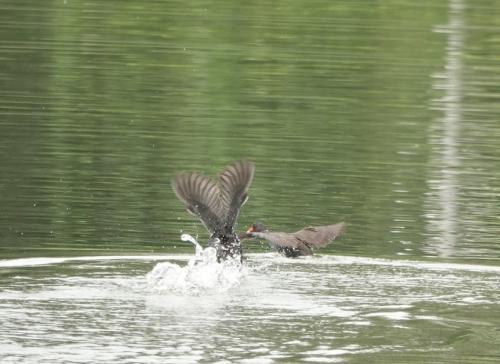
{"x":385,"y":115}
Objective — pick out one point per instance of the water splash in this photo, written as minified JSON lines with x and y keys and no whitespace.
{"x":198,"y":249}
{"x":202,"y":274}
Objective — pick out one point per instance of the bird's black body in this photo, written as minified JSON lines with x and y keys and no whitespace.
{"x":227,"y":245}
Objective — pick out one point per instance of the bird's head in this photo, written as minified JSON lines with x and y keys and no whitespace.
{"x":256,"y":228}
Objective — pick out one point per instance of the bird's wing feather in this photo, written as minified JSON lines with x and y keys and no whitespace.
{"x":201,"y":197}
{"x":320,"y":236}
{"x":285,"y":241}
{"x":276,"y":240}
{"x":234,"y":182}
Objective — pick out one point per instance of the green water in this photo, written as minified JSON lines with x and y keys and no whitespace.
{"x":382,"y":114}
{"x":343,"y":107}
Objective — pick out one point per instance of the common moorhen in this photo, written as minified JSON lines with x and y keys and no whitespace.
{"x":299,"y":243}
{"x":217,"y":203}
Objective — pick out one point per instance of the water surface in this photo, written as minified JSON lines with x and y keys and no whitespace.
{"x":318,"y":309}
{"x":383,"y":115}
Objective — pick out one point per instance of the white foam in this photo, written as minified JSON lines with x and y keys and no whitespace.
{"x":314,"y":260}
{"x":339,"y":260}
{"x":29,"y":262}
{"x":202,"y":274}
{"x":396,"y":315}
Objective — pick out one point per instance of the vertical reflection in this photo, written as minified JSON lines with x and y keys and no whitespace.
{"x":444,"y":137}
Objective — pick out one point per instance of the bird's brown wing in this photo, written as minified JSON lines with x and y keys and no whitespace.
{"x":283,"y":241}
{"x":319,"y":236}
{"x":234,"y":182}
{"x":201,"y":197}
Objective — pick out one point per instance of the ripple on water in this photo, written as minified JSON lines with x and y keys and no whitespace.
{"x":309,"y":309}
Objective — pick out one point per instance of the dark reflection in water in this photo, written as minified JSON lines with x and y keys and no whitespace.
{"x":384,"y":115}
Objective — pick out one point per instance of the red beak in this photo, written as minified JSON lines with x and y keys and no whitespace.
{"x":251,"y":229}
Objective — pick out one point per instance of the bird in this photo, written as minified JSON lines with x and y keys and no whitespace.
{"x":299,"y":243}
{"x":217,"y":203}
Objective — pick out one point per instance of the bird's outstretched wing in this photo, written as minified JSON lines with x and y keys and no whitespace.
{"x":216,"y":204}
{"x":201,"y":197}
{"x":285,"y":243}
{"x":234,"y":182}
{"x":320,"y":236}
